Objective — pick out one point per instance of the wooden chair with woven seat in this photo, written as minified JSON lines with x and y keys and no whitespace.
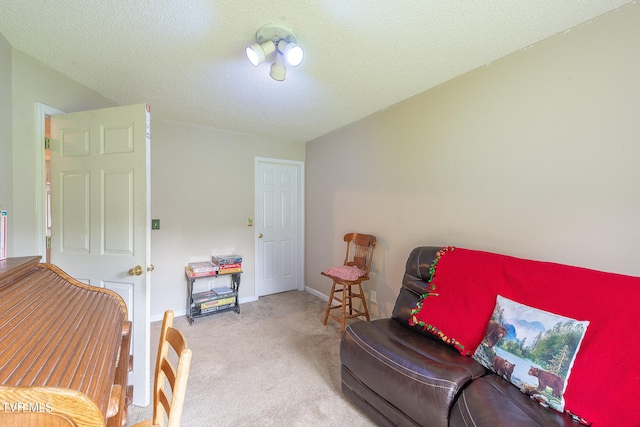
{"x":167,"y":407}
{"x":348,"y":278}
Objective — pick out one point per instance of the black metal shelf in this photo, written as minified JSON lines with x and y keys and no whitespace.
{"x":217,"y":301}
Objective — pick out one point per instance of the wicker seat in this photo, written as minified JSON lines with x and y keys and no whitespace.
{"x":344,"y":290}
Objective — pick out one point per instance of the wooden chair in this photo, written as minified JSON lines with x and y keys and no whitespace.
{"x":169,"y":405}
{"x":359,"y":254}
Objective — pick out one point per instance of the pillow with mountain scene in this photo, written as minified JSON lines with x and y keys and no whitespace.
{"x":531,"y":348}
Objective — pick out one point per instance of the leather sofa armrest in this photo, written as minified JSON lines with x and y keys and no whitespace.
{"x":414,"y":283}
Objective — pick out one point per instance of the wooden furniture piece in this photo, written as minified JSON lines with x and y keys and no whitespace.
{"x":169,"y":406}
{"x":359,"y":254}
{"x":64,"y":349}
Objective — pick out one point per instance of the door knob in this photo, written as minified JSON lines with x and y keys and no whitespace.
{"x":135,"y":271}
{"x":151,"y":268}
{"x":259,"y":235}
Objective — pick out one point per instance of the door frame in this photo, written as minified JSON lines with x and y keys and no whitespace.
{"x":42,"y":110}
{"x":301,"y":225}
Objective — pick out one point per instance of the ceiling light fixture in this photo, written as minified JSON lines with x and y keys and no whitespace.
{"x":280,"y":40}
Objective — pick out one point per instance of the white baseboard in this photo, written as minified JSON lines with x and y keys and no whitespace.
{"x":247,"y":299}
{"x":316,"y":293}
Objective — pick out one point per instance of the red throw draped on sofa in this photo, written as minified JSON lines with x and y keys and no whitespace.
{"x":605,"y":378}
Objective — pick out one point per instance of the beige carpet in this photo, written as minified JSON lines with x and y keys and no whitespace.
{"x":274,"y":364}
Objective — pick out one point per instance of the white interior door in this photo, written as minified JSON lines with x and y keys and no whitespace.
{"x":100,"y":208}
{"x":278,"y":226}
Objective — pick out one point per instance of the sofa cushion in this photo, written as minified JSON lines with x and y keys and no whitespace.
{"x":533,"y":349}
{"x":492,"y":401}
{"x":381,"y":412}
{"x":467,"y":283}
{"x":417,"y":375}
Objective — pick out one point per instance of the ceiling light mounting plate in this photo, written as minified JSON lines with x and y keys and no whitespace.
{"x":275,"y":33}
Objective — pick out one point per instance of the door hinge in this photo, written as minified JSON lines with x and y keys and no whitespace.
{"x":47,"y":143}
{"x":48,"y":242}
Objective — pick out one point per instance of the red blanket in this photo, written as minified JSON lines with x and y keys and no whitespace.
{"x":605,"y":378}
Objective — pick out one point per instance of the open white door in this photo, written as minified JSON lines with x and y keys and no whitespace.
{"x":278,"y":226}
{"x":100,"y":208}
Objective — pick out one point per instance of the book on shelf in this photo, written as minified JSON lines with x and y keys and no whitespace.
{"x":222,"y":290}
{"x":191,"y":274}
{"x":202,"y":267}
{"x":226,"y":259}
{"x":227,"y":266}
{"x":203,"y":297}
{"x":230,"y":270}
{"x":217,"y":308}
{"x":217,"y":302}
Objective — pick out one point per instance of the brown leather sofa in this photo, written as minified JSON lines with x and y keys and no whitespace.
{"x":400,"y":376}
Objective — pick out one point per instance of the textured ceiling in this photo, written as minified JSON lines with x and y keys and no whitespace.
{"x":186,"y":58}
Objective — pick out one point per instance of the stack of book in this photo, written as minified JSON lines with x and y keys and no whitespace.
{"x":228,"y":264}
{"x":222,"y":290}
{"x":214,"y":300}
{"x":204,"y":297}
{"x":201,"y":269}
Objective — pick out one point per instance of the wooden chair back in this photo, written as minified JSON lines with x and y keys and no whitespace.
{"x":359,"y":250}
{"x":165,"y":404}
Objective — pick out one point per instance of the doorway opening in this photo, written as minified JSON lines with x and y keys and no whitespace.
{"x":43,"y":178}
{"x":47,"y":183}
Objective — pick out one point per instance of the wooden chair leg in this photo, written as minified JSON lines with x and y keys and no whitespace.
{"x":346,"y":304}
{"x":326,"y":314}
{"x":364,"y":303}
{"x":343,"y":319}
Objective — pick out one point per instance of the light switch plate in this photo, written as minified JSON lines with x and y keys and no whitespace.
{"x":155,"y":224}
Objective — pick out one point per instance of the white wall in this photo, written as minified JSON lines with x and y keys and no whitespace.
{"x":201,"y":179}
{"x":202,"y":191}
{"x":535,"y":155}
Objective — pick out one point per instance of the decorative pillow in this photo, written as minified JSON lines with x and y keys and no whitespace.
{"x":532,"y":348}
{"x":345,"y":272}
